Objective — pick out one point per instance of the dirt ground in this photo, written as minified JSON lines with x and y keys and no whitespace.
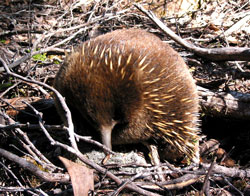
{"x":36,"y":35}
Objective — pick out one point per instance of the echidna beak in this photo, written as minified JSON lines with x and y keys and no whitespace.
{"x":106,"y":131}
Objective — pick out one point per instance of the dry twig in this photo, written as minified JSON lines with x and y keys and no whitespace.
{"x":70,"y":127}
{"x":74,"y":148}
{"x":214,"y":54}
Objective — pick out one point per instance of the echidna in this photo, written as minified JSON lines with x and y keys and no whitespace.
{"x":132,"y":87}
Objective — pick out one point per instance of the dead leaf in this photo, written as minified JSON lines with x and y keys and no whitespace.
{"x":228,"y":162}
{"x":6,"y":41}
{"x":213,"y":27}
{"x":220,"y":153}
{"x":81,"y":177}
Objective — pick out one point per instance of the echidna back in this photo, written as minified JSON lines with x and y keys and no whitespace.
{"x":132,"y":82}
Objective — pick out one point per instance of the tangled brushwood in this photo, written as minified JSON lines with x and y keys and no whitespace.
{"x":131,"y":87}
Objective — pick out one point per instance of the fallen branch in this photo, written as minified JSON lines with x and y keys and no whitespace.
{"x":49,"y":177}
{"x":67,"y":112}
{"x":230,"y":172}
{"x":74,"y":150}
{"x":237,"y":25}
{"x":82,"y":27}
{"x":231,"y":104}
{"x":30,"y":147}
{"x":206,"y":184}
{"x":214,"y":54}
{"x":54,"y":127}
{"x":100,"y":169}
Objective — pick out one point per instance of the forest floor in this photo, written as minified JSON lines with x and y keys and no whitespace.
{"x":34,"y":38}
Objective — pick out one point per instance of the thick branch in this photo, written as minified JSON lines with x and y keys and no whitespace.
{"x":49,"y":177}
{"x":230,"y":104}
{"x":215,"y":54}
{"x":230,"y":172}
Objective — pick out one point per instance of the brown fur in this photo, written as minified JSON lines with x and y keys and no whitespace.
{"x":106,"y":81}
